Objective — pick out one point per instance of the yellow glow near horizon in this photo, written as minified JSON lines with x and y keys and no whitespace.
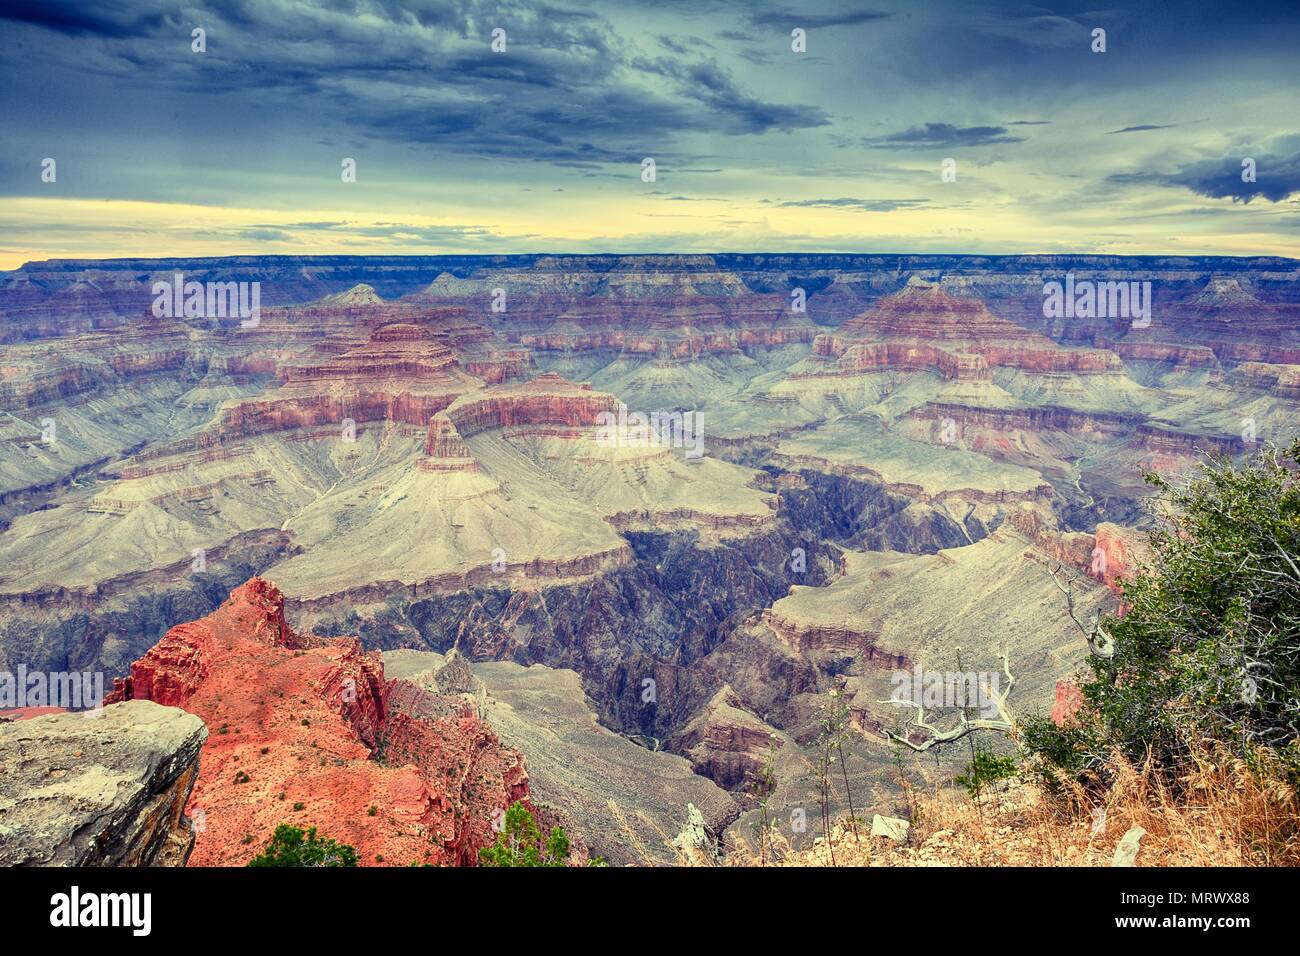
{"x":106,"y":229}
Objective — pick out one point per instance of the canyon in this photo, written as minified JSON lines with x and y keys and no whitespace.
{"x":395,"y":483}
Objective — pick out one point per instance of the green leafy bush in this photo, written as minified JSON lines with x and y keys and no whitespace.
{"x":1208,"y":650}
{"x":986,"y":767}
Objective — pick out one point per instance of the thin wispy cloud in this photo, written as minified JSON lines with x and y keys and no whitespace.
{"x":1141,"y":129}
{"x":864,"y":205}
{"x":944,"y":136}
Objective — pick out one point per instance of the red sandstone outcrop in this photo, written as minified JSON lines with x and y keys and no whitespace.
{"x":1068,"y":701}
{"x":548,"y":399}
{"x":923,"y":327}
{"x":307,"y":730}
{"x":1110,"y":555}
{"x":1123,"y":550}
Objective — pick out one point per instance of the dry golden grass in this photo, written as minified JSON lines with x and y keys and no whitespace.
{"x":1220,"y":814}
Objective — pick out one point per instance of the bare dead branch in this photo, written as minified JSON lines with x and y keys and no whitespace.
{"x":1100,"y":643}
{"x":1004,"y":723}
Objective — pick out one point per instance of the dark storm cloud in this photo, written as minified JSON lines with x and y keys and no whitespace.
{"x":588,"y":88}
{"x":682,"y":45}
{"x":865,"y":205}
{"x":572,"y":88}
{"x":712,"y":86}
{"x":1277,"y":176}
{"x":944,"y":136}
{"x":75,"y":19}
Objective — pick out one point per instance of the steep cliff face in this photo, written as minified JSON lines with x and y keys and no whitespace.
{"x":307,"y":730}
{"x":1109,"y":555}
{"x":1122,"y":550}
{"x":105,"y":788}
{"x":659,"y":617}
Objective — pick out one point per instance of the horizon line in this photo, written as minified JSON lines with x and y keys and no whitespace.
{"x":649,"y":255}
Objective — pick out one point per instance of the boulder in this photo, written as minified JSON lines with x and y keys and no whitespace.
{"x":99,"y":788}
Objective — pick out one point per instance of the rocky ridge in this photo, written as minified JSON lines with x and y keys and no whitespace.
{"x":308,"y":730}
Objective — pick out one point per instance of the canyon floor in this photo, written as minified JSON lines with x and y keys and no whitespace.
{"x":620,"y":539}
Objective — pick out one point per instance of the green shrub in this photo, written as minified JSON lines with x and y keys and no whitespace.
{"x":520,"y":843}
{"x":986,"y":767}
{"x":1208,"y":650}
{"x":291,"y":846}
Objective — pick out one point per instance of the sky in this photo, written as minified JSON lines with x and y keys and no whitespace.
{"x":161,"y":150}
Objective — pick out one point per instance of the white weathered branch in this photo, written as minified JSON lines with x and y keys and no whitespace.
{"x":1100,"y":644}
{"x":1004,"y":723}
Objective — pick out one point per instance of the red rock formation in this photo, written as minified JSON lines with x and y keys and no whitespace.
{"x":445,"y":449}
{"x":375,"y":369}
{"x":1110,"y":555}
{"x":285,"y":411}
{"x":1280,"y":380}
{"x":830,"y":639}
{"x":306,"y":730}
{"x":924,"y":328}
{"x":444,"y":440}
{"x":1123,"y":549}
{"x":854,"y":358}
{"x":1069,"y":698}
{"x":1255,"y":352}
{"x":1155,"y":438}
{"x":1179,"y":356}
{"x":1032,"y":418}
{"x":726,"y":742}
{"x":550,"y":569}
{"x":1161,"y":439}
{"x":548,"y":399}
{"x":203,"y":458}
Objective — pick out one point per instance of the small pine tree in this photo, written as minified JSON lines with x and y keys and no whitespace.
{"x":292,"y":846}
{"x":520,"y":843}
